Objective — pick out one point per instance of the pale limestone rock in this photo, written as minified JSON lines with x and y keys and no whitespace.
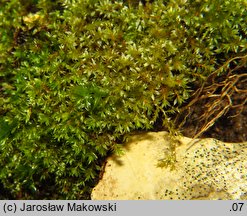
{"x":210,"y":169}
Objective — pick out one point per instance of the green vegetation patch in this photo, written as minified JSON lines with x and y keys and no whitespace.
{"x":77,"y":76}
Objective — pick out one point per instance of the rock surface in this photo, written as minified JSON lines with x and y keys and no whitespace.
{"x":210,"y":170}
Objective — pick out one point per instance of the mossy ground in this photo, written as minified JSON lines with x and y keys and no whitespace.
{"x":76,"y":77}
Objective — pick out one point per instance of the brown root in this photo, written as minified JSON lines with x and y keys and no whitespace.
{"x":215,"y":95}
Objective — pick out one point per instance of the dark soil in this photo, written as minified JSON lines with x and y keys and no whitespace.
{"x":226,"y":128}
{"x":230,"y":127}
